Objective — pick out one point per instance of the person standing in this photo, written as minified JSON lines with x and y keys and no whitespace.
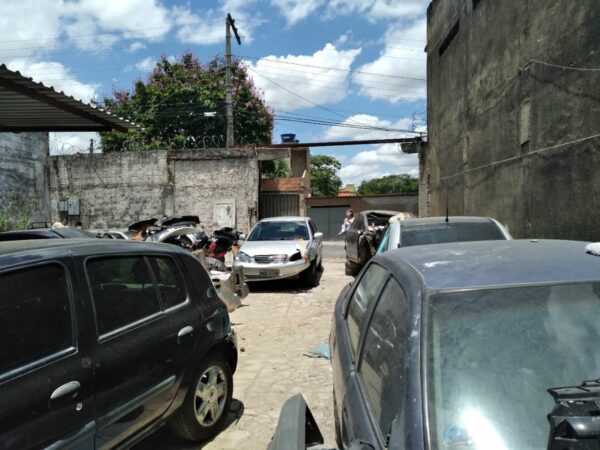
{"x":348,"y":219}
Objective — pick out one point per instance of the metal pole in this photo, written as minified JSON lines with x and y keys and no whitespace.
{"x":228,"y":85}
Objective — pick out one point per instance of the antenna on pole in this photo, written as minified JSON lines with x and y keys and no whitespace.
{"x":447,"y":207}
{"x":229,"y":25}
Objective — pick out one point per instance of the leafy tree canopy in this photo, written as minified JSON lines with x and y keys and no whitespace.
{"x":323,"y":175}
{"x":277,"y":168}
{"x":176,"y":107}
{"x":389,"y":184}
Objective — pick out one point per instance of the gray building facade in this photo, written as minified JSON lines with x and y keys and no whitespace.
{"x":514,"y":114}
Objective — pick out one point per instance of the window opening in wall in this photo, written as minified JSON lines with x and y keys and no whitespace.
{"x":448,"y":40}
{"x":476,"y":3}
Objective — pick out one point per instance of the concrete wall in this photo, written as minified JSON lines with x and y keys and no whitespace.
{"x":402,"y":203}
{"x":23,"y":175}
{"x":490,"y":106}
{"x":116,"y":189}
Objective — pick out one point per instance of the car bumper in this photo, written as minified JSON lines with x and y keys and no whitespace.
{"x":264,"y":272}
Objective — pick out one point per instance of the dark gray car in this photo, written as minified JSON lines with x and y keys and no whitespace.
{"x":482,"y":345}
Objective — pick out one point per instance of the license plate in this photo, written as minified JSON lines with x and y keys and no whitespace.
{"x":269,"y":273}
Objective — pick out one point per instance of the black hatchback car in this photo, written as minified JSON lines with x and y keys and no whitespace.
{"x":478,"y":345}
{"x":104,"y":342}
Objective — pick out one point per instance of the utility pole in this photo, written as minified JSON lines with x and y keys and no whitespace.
{"x":229,"y":25}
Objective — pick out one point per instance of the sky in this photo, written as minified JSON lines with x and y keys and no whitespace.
{"x":356,"y":67}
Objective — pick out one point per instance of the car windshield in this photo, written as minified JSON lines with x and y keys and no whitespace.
{"x":279,"y":231}
{"x":491,"y":356}
{"x":439,"y":233}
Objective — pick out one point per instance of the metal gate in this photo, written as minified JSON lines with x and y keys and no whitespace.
{"x":328,"y":219}
{"x":273,"y":205}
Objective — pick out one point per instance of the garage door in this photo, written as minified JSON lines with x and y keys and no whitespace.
{"x":328,"y":219}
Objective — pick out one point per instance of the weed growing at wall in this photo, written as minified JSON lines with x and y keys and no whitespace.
{"x":16,"y":213}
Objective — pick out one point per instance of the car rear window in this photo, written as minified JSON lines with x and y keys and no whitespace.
{"x":35,"y":315}
{"x":440,"y":233}
{"x":171,"y":284}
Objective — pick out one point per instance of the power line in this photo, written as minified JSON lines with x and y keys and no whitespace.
{"x":514,"y":158}
{"x":584,"y":69}
{"x":330,"y":68}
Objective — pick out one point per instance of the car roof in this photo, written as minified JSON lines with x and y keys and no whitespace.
{"x":451,"y":219}
{"x":285,"y":219}
{"x":463,"y":265}
{"x":380,"y":212}
{"x":38,"y":248}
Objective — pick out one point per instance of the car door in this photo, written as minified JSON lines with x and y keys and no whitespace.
{"x":46,"y":376}
{"x":145,"y":322}
{"x":377,"y":389}
{"x":349,"y":321}
{"x":352,"y":237}
{"x":316,"y":244}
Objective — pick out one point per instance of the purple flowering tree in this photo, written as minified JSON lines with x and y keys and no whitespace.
{"x":182,"y":105}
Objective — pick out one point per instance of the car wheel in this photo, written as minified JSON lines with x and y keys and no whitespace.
{"x":203,"y":412}
{"x":351,"y":268}
{"x":311,"y":275}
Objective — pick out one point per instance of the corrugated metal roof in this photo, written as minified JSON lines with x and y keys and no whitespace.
{"x":29,"y":106}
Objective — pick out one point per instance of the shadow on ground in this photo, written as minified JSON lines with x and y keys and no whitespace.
{"x":165,"y":439}
{"x":289,"y":285}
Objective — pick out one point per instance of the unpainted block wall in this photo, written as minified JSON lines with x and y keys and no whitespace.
{"x":23,"y":174}
{"x":116,"y":189}
{"x":536,"y":171}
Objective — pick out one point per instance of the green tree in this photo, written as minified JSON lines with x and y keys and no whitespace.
{"x":277,"y":168}
{"x":182,"y":105}
{"x":389,"y":184}
{"x":323,"y":175}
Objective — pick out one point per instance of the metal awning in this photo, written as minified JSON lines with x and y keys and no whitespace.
{"x":29,"y":106}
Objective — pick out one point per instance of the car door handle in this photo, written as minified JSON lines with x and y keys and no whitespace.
{"x":65,"y":389}
{"x":185,"y":331}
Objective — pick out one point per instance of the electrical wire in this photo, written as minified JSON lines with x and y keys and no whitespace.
{"x":583,"y":69}
{"x":330,"y":68}
{"x":514,"y":158}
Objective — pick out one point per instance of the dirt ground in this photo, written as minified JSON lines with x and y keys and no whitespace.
{"x":277,"y":326}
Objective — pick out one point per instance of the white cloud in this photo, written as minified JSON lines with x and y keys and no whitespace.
{"x":146,"y":64}
{"x":28,"y":26}
{"x":378,"y":9}
{"x":343,"y":133}
{"x":296,"y":10}
{"x":402,"y":66}
{"x":320,"y":86}
{"x":56,"y":75}
{"x":70,"y":143}
{"x":377,"y":160}
{"x":135,"y":46}
{"x":381,"y":160}
{"x":208,"y":26}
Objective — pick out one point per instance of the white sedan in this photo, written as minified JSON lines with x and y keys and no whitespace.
{"x":282,"y":247}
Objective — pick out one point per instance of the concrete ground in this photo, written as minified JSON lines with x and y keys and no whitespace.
{"x":278,"y":324}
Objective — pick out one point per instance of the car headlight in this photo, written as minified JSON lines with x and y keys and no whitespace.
{"x":242,"y":257}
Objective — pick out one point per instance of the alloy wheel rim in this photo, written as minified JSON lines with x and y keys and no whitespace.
{"x":210,"y":396}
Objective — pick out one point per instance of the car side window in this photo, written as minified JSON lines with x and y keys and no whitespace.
{"x":382,"y":366}
{"x":357,"y":223}
{"x":171,"y":284}
{"x":35,"y":315}
{"x":366,"y":293}
{"x":122,"y":291}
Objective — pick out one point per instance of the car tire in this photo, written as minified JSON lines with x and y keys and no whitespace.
{"x":202,"y":417}
{"x":311,"y":275}
{"x":351,"y":268}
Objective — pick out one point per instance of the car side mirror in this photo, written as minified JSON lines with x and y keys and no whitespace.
{"x":318,"y":235}
{"x":242,"y":237}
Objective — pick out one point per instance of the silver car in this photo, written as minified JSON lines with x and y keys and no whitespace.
{"x":438,"y":230}
{"x":282,"y":247}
